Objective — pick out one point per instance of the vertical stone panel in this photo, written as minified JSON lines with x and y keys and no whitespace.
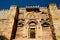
{"x":11,"y":21}
{"x":54,"y":16}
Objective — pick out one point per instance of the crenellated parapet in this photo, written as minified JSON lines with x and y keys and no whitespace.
{"x":3,"y":13}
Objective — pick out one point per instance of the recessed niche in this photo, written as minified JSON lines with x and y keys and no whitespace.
{"x":32,"y":9}
{"x":20,"y":25}
{"x":32,"y":23}
{"x":45,"y":24}
{"x":3,"y":37}
{"x":42,"y":19}
{"x":43,"y":13}
{"x":32,"y":32}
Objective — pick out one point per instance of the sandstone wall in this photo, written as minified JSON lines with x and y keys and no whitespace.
{"x":56,"y":19}
{"x":7,"y":24}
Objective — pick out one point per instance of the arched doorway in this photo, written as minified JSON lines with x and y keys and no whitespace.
{"x":32,"y":29}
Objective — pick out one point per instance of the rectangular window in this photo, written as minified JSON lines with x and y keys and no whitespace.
{"x":32,"y":33}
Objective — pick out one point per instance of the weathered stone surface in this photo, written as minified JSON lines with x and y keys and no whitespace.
{"x":15,"y":24}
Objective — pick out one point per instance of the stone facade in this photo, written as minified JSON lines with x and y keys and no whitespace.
{"x":30,"y":23}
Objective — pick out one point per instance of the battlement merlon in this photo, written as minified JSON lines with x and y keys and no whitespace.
{"x":32,"y":6}
{"x":52,"y":6}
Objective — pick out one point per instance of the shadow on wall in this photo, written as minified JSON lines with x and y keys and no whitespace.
{"x":3,"y":37}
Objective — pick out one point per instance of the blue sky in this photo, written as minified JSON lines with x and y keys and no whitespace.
{"x":5,"y":4}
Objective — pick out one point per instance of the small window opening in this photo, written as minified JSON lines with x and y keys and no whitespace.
{"x":45,"y":24}
{"x":47,"y":19}
{"x":20,"y":25}
{"x":32,"y":23}
{"x":42,"y":19}
{"x":43,"y":13}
